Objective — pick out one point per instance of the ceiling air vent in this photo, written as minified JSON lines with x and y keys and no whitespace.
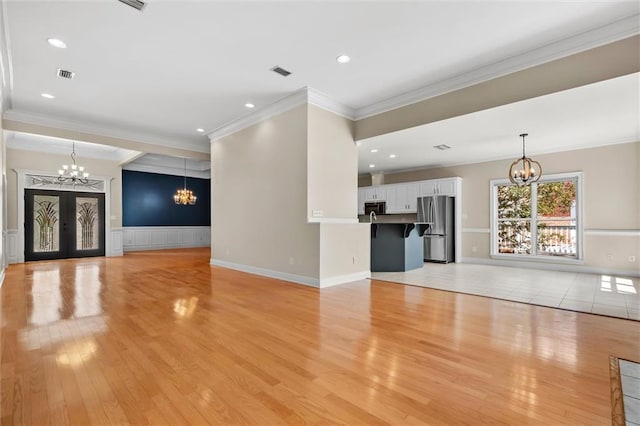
{"x":280,"y":71}
{"x":136,"y":4}
{"x":442,"y":147}
{"x":65,"y":74}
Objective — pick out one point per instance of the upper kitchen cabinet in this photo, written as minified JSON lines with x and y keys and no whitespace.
{"x":375,"y":193}
{"x":438,"y":187}
{"x":402,"y":198}
{"x":361,"y":197}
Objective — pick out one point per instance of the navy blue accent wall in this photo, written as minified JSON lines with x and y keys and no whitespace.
{"x":147,"y":200}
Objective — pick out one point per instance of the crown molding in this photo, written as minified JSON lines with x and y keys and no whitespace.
{"x":606,"y":34}
{"x":6,"y":66}
{"x":147,"y":168}
{"x":324,"y":101}
{"x":43,"y":120}
{"x":600,"y":36}
{"x":304,"y":95}
{"x":297,"y":98}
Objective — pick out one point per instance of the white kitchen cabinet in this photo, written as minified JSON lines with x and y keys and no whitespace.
{"x":375,"y":193}
{"x":438,"y":187}
{"x":392,"y":199}
{"x":402,"y":198}
{"x":370,"y":194}
{"x":412,"y":197}
{"x":361,"y":197}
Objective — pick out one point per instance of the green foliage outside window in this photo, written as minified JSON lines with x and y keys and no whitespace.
{"x":554,"y":216}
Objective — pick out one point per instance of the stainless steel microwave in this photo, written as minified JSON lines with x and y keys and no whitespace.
{"x":378,"y":208}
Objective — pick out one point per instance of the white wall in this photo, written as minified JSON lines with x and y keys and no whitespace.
{"x":3,"y":204}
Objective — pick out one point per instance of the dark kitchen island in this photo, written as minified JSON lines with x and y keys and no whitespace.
{"x":397,"y":246}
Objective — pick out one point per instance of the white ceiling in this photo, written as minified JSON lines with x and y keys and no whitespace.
{"x":156,"y":163}
{"x":159,"y":74}
{"x":131,"y":160}
{"x":603,"y":113}
{"x":51,"y":145}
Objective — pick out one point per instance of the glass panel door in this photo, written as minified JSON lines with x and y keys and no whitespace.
{"x":46,"y":218}
{"x":87,"y":232}
{"x":44,"y":225}
{"x":62,"y":224}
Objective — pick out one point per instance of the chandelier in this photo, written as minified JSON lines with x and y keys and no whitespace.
{"x":73,"y":173}
{"x":524,"y":171}
{"x":184,"y":196}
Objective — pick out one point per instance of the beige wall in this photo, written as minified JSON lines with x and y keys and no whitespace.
{"x":344,"y":249}
{"x":267,"y":178}
{"x":332,"y":160}
{"x":258,"y":197}
{"x":611,"y":200}
{"x":44,"y":162}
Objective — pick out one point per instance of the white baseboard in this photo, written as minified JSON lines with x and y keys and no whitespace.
{"x":551,"y":266}
{"x":2,"y":276}
{"x":298,"y":279}
{"x":165,"y":237}
{"x":343,"y":279}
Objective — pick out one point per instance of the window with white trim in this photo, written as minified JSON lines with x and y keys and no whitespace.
{"x":542,"y":220}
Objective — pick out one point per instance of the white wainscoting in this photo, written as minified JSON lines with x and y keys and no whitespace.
{"x":163,"y":237}
{"x":12,"y":245}
{"x":116,"y":248}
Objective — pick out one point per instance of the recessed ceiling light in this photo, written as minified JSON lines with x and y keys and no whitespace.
{"x":392,"y":156}
{"x":371,"y":166}
{"x":57,"y":43}
{"x":343,"y":59}
{"x":249,"y":105}
{"x":200,"y":130}
{"x":374,"y":150}
{"x":47,"y":95}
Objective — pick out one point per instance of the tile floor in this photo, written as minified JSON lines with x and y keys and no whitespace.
{"x":598,"y":294}
{"x":630,"y":379}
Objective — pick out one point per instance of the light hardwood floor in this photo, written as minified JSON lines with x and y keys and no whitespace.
{"x":165,"y":338}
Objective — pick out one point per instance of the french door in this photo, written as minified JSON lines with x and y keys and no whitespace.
{"x":63,"y":224}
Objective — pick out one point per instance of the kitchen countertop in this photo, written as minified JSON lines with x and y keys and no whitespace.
{"x":408,"y":227}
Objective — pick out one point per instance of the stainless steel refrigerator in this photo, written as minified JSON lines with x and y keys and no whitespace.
{"x":439,"y":242}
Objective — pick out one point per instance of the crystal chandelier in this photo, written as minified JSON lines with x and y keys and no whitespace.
{"x":74,"y":173}
{"x":524,"y":171}
{"x":184,"y":196}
